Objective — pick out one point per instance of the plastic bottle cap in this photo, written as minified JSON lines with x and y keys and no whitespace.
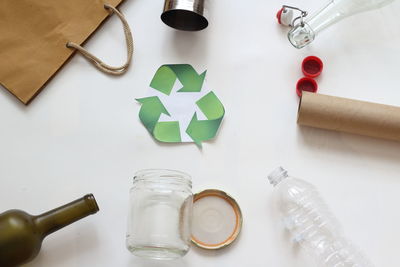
{"x":306,"y":84}
{"x":217,"y":219}
{"x":312,"y":66}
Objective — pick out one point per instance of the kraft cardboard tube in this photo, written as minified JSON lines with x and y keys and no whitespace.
{"x":351,"y":116}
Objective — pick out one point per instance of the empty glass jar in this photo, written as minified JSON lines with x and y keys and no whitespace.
{"x":160,"y":211}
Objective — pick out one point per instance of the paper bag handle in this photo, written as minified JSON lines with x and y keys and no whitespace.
{"x":98,"y":62}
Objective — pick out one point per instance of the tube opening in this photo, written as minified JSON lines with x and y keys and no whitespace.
{"x":184,"y":20}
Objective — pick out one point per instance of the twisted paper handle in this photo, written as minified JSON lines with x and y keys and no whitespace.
{"x":98,"y":62}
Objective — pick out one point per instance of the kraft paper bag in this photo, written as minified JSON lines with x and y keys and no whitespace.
{"x":34,"y":35}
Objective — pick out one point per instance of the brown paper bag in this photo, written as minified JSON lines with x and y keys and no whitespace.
{"x":34,"y":35}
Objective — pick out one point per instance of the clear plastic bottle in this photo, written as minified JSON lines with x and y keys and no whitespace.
{"x":310,"y":223}
{"x":335,"y":10}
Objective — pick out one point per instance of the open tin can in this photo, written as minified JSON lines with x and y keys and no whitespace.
{"x":185,"y":15}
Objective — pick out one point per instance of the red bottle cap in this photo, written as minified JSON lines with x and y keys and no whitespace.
{"x":312,"y":66}
{"x":306,"y":84}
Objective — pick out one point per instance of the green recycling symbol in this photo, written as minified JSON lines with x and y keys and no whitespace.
{"x":176,"y":126}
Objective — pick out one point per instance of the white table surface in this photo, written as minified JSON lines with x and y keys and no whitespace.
{"x":82,"y":134}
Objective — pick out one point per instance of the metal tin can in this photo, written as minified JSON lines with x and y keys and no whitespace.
{"x":186,"y":15}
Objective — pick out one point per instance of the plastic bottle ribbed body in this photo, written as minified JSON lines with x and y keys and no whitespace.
{"x":310,"y":223}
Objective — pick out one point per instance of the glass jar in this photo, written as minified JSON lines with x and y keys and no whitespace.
{"x":160,"y":211}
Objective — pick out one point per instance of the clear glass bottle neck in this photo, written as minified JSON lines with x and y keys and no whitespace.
{"x":304,"y":33}
{"x":328,"y":15}
{"x":334,"y":11}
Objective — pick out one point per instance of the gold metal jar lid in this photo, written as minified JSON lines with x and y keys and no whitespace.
{"x":217,"y":219}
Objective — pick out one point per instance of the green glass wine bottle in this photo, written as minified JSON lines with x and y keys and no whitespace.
{"x":21,"y":234}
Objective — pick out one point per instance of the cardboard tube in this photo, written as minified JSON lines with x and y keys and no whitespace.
{"x":351,"y":116}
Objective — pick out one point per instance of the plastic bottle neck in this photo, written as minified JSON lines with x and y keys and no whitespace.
{"x":277,"y":176}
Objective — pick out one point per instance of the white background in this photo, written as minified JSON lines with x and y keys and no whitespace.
{"x":82,"y":133}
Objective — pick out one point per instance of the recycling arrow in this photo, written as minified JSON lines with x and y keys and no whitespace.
{"x":192,"y":82}
{"x":201,"y":130}
{"x":166,"y":75}
{"x":150,"y":113}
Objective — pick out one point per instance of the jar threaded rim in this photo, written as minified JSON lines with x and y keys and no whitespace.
{"x":154,"y":175}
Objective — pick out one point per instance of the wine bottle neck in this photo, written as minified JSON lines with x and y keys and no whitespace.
{"x":58,"y":218}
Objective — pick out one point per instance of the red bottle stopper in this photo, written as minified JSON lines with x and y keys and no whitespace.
{"x":306,"y":84}
{"x":312,"y":66}
{"x":279,"y":15}
{"x":284,"y":16}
